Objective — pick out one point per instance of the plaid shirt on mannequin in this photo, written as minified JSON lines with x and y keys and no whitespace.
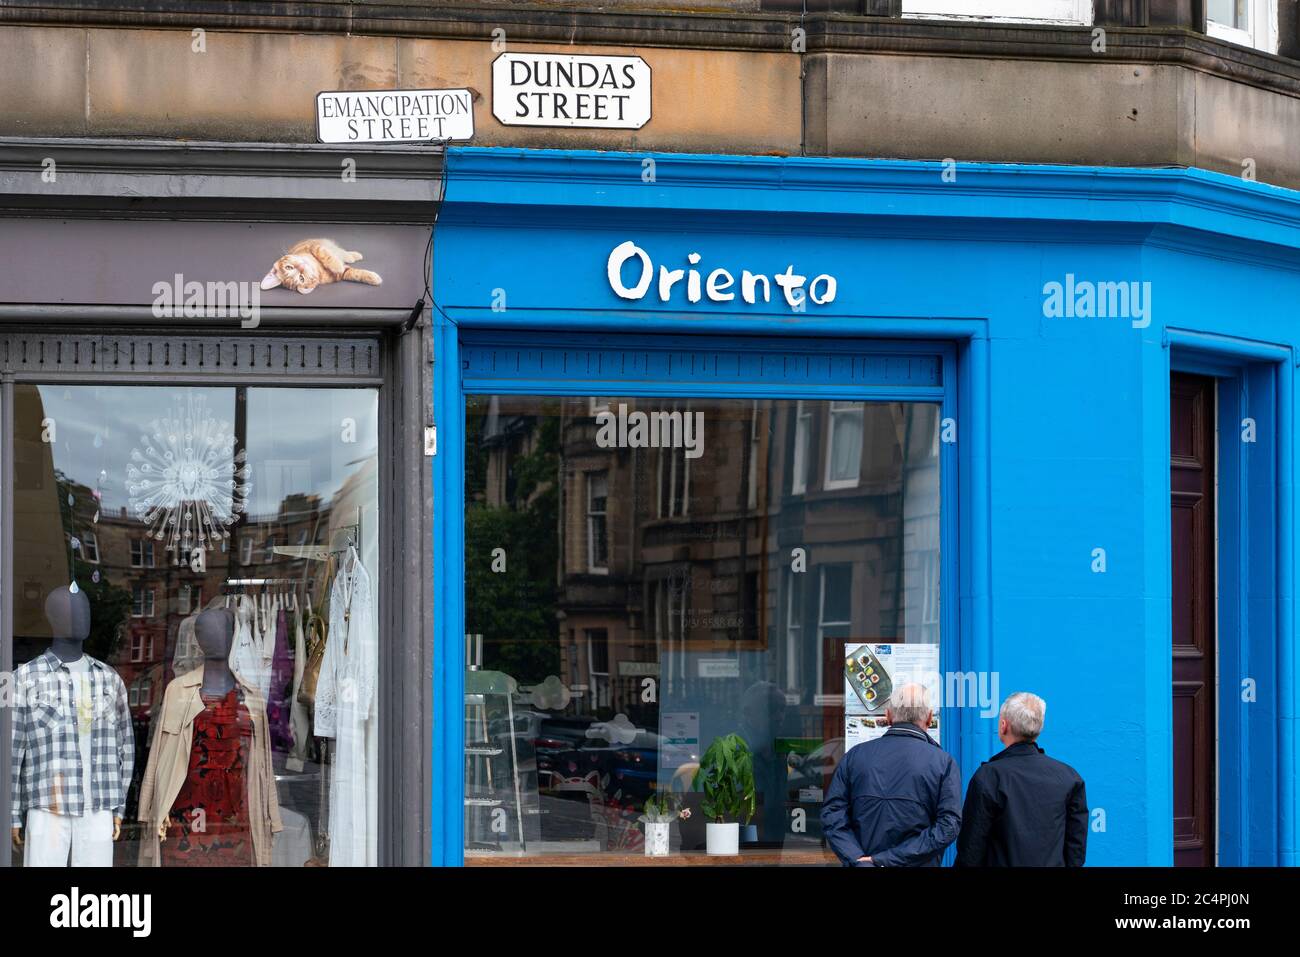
{"x":47,"y":770}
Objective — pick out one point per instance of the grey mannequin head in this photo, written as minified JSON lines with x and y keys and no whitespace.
{"x":68,"y":613}
{"x":214,"y":630}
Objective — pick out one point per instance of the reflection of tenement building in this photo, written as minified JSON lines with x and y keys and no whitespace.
{"x":785,"y":537}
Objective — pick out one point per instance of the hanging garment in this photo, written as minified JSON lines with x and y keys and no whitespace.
{"x":47,"y":767}
{"x":208,"y":821}
{"x":254,"y":645}
{"x":345,"y":711}
{"x":168,"y":768}
{"x":187,"y":655}
{"x":299,"y":719}
{"x":278,"y":703}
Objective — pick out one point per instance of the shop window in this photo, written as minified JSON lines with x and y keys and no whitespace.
{"x":597,"y":527}
{"x":844,"y":445}
{"x":1009,"y":11}
{"x":1251,"y":23}
{"x":738,"y":616}
{"x":320,"y":757}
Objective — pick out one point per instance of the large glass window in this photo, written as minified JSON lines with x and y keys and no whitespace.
{"x":1016,"y":11}
{"x":219,"y":698}
{"x":1252,"y":23}
{"x":645,"y":575}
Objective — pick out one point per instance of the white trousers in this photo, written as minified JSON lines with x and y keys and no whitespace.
{"x":50,"y":838}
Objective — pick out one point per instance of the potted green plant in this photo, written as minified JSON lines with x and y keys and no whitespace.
{"x":658,"y":815}
{"x":726,"y":776}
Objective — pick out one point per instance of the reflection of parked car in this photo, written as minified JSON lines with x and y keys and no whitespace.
{"x":578,"y":758}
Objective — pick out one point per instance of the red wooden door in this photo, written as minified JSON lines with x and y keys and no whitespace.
{"x":1192,"y":523}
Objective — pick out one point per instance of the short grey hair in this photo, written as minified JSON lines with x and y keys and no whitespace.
{"x":910,"y":704}
{"x":1024,"y":713}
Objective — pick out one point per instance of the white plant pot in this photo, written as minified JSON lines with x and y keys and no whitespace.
{"x":722,"y":840}
{"x":656,"y":839}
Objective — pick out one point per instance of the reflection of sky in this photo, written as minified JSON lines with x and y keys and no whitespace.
{"x":298,"y":439}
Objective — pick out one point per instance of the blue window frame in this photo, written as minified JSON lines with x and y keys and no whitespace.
{"x":487,"y":361}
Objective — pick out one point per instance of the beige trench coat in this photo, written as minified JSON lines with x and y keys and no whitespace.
{"x":169,"y":762}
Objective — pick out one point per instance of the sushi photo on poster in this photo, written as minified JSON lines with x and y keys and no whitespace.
{"x":872,"y":672}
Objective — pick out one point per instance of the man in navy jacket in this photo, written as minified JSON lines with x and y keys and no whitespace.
{"x":1023,"y":809}
{"x":895,"y":801}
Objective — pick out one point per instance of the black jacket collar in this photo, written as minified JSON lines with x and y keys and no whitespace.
{"x":1019,"y":748}
{"x":907,"y":730}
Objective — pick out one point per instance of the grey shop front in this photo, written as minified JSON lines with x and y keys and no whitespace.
{"x":214,"y":387}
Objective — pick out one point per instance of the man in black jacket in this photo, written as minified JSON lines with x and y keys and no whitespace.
{"x":895,"y":801}
{"x":1023,"y":809}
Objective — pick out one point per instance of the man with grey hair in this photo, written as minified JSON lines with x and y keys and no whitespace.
{"x":1023,"y":809}
{"x":895,"y":801}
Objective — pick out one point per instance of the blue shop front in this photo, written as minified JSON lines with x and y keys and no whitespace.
{"x":733,"y":447}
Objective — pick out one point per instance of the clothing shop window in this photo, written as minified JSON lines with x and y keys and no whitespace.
{"x":1007,"y":11}
{"x":267,"y":674}
{"x":742,"y":614}
{"x":1251,"y":23}
{"x":844,"y":445}
{"x":597,"y":527}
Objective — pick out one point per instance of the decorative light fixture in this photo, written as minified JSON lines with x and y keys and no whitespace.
{"x":185,"y":480}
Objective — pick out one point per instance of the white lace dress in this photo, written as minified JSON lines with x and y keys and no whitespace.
{"x":345,"y":711}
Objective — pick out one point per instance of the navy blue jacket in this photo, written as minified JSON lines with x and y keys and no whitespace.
{"x":896,"y":799}
{"x":1024,"y":809}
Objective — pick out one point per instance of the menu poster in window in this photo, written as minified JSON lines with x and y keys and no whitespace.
{"x":872,"y":672}
{"x":679,"y":735}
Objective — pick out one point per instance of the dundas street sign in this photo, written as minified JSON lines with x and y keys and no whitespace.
{"x":572,"y":90}
{"x":394,"y":116}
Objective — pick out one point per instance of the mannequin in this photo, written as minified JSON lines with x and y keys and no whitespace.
{"x":88,"y":703}
{"x":214,"y":633}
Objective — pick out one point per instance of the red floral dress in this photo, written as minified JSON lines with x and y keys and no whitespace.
{"x":209,"y":819}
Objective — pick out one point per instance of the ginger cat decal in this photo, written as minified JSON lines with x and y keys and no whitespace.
{"x":315,"y":262}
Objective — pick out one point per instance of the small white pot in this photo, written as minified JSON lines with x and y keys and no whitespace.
{"x":722,"y":840}
{"x":656,"y":838}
